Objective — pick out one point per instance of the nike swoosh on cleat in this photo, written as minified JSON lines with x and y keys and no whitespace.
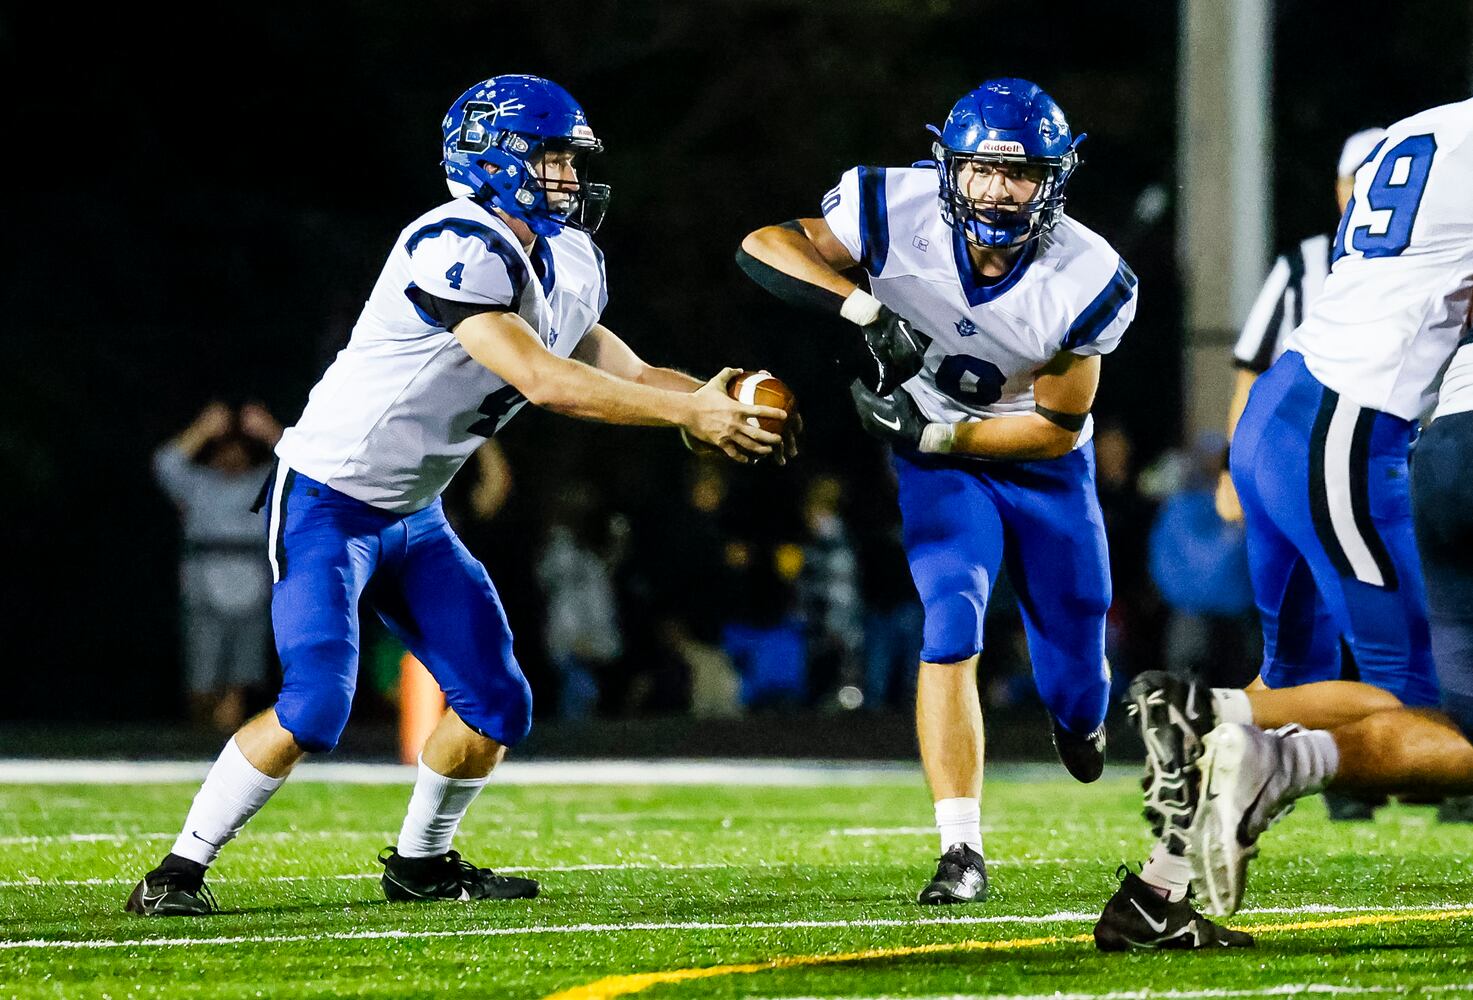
{"x":153,"y":900}
{"x":465,"y":893}
{"x":1156,"y":925}
{"x":894,"y":425}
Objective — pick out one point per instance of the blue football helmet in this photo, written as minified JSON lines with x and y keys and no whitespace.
{"x":495,"y":135}
{"x":1005,"y":121}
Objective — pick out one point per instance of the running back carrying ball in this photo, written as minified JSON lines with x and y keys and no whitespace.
{"x":763,"y":389}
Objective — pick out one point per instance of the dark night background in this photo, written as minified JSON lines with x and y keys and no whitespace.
{"x":198,"y":207}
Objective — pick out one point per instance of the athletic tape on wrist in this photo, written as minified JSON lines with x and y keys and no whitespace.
{"x":860,"y":308}
{"x":938,"y":438}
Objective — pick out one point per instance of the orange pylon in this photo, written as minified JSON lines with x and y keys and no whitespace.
{"x":421,"y":703}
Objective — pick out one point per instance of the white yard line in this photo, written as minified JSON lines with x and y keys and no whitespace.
{"x":475,"y":932}
{"x":35,"y":882}
{"x":40,"y":883}
{"x":796,"y":774}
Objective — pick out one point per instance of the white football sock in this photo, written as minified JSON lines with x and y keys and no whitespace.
{"x":435,"y":811}
{"x":1167,"y":873}
{"x":960,"y":822}
{"x":1311,"y":760}
{"x":1231,"y":705}
{"x":233,"y":792}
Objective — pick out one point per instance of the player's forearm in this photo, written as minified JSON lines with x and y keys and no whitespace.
{"x":1029,"y":436}
{"x":791,"y":252}
{"x":577,"y":390}
{"x":668,"y":379}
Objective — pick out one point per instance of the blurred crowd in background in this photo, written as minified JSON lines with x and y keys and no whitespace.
{"x":750,"y":594}
{"x":638,"y":580}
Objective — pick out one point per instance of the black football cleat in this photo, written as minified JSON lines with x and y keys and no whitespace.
{"x":1173,"y":715}
{"x":1356,"y":808}
{"x":446,"y":876}
{"x":1455,"y":809}
{"x":1083,"y":756}
{"x":176,"y":888}
{"x":1137,"y":916}
{"x":961,"y":877}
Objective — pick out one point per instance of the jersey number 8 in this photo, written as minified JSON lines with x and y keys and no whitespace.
{"x":970,"y":380}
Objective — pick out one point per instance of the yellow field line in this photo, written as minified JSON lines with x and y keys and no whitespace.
{"x":612,"y":987}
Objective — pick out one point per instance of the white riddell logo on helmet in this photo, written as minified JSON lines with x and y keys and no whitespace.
{"x":582,"y":132}
{"x":1001,"y":146}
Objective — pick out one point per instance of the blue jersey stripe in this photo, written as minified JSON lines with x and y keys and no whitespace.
{"x":874,"y":223}
{"x":603,"y":278}
{"x":1100,"y":313}
{"x":494,"y":242}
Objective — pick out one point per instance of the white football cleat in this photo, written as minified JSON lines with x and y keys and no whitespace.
{"x":1245,"y":787}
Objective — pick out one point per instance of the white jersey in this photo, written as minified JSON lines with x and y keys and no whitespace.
{"x":1456,"y":394}
{"x":403,"y":405}
{"x":1068,"y":291}
{"x":1398,"y":292}
{"x":1288,"y":293}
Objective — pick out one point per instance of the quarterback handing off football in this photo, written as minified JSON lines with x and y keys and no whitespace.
{"x":763,"y":389}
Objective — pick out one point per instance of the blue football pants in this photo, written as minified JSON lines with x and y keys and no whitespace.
{"x":1326,"y":500}
{"x":327,"y":550}
{"x":964,"y":518}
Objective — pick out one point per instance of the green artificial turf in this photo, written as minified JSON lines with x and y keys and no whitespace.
{"x":755,"y":865}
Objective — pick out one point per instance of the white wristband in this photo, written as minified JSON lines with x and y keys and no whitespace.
{"x":938,"y":438}
{"x":860,"y":308}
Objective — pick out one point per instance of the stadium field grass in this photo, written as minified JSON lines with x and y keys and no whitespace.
{"x":641,"y":882}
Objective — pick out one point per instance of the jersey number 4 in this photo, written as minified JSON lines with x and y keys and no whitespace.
{"x":1397,"y":188}
{"x":496,"y":408}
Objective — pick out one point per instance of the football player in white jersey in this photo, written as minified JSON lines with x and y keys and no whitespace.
{"x":1321,"y":464}
{"x":489,"y":301}
{"x":1288,"y":293}
{"x":986,"y":314}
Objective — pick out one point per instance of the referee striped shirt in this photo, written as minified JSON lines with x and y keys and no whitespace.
{"x":1291,"y":288}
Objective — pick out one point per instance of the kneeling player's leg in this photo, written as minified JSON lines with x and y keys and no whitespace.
{"x":442,"y":605}
{"x":953,"y":540}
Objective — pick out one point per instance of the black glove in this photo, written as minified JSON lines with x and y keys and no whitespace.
{"x":894,"y":418}
{"x":896,"y":351}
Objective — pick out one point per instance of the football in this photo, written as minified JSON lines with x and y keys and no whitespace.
{"x":763,"y":389}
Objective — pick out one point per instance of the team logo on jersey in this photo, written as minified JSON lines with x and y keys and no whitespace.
{"x":480,"y":120}
{"x":965,"y":327}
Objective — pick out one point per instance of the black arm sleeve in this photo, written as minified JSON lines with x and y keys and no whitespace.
{"x":447,"y":312}
{"x":786,"y":287}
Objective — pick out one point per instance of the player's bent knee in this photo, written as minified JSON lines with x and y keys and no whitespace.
{"x":317,"y":692}
{"x":503,"y":711}
{"x":315,"y":723}
{"x":953,"y":628}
